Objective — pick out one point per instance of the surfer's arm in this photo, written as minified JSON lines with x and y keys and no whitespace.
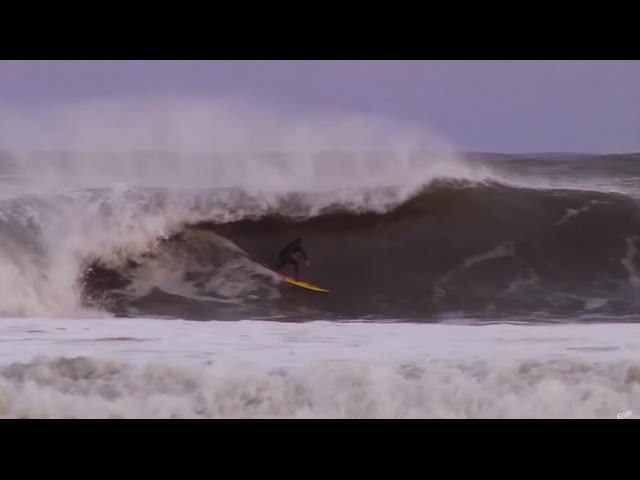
{"x":304,"y":255}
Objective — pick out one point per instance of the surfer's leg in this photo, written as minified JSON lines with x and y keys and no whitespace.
{"x":295,"y":268}
{"x":281,"y":264}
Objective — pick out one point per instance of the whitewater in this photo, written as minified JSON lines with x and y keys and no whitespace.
{"x":136,"y":238}
{"x":158,"y":369}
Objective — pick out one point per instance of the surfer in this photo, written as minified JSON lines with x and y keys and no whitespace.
{"x":287,"y":253}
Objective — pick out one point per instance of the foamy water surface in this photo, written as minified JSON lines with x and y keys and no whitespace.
{"x":144,"y":368}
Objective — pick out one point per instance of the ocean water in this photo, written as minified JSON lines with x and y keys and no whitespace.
{"x":136,"y":241}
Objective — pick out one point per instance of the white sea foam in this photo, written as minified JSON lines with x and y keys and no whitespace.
{"x":172,"y":369}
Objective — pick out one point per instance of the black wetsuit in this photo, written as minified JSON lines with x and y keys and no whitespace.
{"x":287,"y":253}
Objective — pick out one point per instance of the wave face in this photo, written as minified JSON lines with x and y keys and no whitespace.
{"x":454,"y":248}
{"x":398,"y":227}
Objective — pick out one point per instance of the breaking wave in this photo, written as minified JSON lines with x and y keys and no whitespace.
{"x":397,"y":225}
{"x":451,"y":247}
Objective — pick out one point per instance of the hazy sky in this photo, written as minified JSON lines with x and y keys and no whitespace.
{"x":498,"y":106}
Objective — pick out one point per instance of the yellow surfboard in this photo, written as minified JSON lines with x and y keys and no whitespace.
{"x":308,"y":286}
